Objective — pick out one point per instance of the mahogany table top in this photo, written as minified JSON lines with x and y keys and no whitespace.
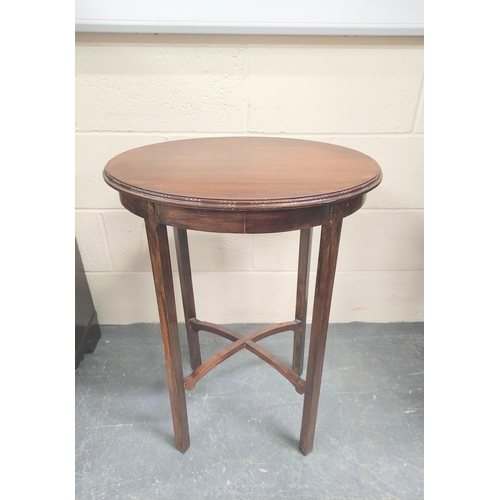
{"x":243,"y":173}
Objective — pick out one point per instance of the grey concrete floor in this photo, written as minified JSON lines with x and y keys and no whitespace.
{"x":244,"y":420}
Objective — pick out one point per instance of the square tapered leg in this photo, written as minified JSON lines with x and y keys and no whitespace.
{"x":301,"y":303}
{"x":327,"y":262}
{"x":186,"y":281}
{"x":162,"y":274}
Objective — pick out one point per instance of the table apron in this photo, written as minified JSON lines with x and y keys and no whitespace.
{"x":244,"y":222}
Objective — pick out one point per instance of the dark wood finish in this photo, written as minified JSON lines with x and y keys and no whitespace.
{"x":243,"y":185}
{"x":243,"y":173}
{"x":348,"y":207}
{"x":299,"y":337}
{"x":162,"y":274}
{"x":262,"y":353}
{"x":249,"y":222}
{"x":87,"y":329}
{"x":327,"y":263}
{"x":186,"y":281}
{"x":136,"y":205}
{"x":238,"y":344}
{"x":268,"y":221}
{"x":221,"y":331}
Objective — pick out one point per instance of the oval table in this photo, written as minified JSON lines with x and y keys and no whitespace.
{"x":243,"y":185}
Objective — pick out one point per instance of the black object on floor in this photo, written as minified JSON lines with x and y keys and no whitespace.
{"x":87,"y":330}
{"x":245,"y":419}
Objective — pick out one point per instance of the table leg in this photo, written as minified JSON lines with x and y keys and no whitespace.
{"x":301,"y":303}
{"x":162,"y":273}
{"x":327,"y":262}
{"x":183,"y":262}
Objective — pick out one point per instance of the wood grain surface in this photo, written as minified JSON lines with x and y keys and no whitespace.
{"x":243,"y":173}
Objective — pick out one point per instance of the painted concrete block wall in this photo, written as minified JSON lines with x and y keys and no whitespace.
{"x":362,"y":92}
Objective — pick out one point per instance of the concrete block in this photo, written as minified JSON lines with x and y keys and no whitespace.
{"x":219,"y":252}
{"x":90,"y":240}
{"x":378,"y":297}
{"x":124,"y":298}
{"x":334,"y":84}
{"x":365,"y":245}
{"x":419,"y":125}
{"x":208,"y":251}
{"x":92,"y":154}
{"x":163,"y":84}
{"x":407,"y":246}
{"x":365,"y":241}
{"x":402,"y":163}
{"x":249,"y":296}
{"x":276,"y":251}
{"x":359,"y":92}
{"x":127,"y":242}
